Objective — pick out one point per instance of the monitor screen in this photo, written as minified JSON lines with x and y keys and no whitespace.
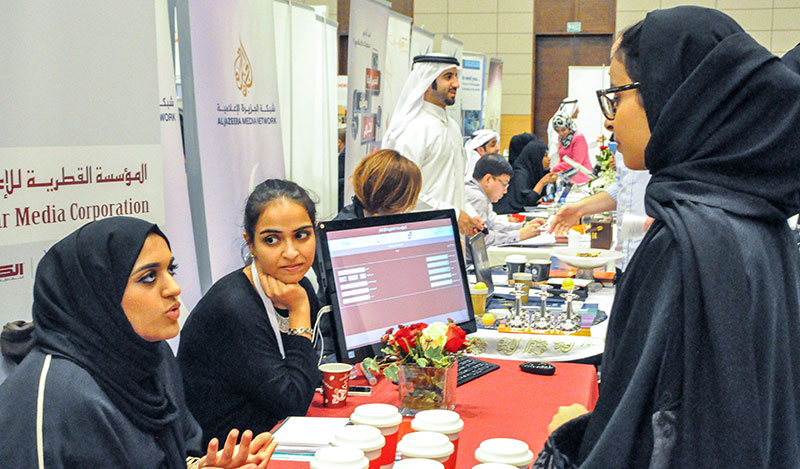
{"x":393,"y":270}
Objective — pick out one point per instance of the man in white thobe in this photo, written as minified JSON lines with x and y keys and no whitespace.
{"x":421,"y":130}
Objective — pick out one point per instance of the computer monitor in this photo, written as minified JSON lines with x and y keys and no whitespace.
{"x":480,"y":262}
{"x":393,"y":270}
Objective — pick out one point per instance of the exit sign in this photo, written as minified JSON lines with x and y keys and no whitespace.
{"x":573,"y":26}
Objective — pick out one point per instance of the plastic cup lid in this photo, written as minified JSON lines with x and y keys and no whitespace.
{"x":339,"y":457}
{"x":438,"y":420}
{"x":425,"y":445}
{"x":363,"y":437}
{"x":376,"y":415}
{"x":519,"y":258}
{"x":418,"y":463}
{"x":504,"y":450}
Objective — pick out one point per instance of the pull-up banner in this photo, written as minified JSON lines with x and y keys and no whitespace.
{"x":79,"y":129}
{"x":366,"y":58}
{"x":232,"y":120}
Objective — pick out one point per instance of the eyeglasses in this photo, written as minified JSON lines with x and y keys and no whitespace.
{"x":608,"y":104}
{"x":504,"y":183}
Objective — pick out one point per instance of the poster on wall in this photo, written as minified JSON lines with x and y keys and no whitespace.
{"x":79,"y":136}
{"x":494,"y":95}
{"x":366,"y":60}
{"x":454,"y":48}
{"x":473,"y":69}
{"x":232,"y":120}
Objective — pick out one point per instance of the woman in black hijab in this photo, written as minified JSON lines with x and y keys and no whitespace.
{"x":700,"y":367}
{"x":102,"y":388}
{"x":528,"y":157}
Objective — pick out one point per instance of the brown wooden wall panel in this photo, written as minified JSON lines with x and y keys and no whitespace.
{"x":595,"y":16}
{"x":554,"y":56}
{"x":512,"y":124}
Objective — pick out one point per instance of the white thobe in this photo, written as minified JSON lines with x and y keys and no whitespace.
{"x":433,"y":141}
{"x":628,"y":190}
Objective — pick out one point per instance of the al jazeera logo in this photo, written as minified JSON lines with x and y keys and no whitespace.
{"x":243,"y":71}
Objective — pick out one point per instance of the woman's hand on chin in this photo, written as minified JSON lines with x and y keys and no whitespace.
{"x":289,"y":296}
{"x":249,"y":453}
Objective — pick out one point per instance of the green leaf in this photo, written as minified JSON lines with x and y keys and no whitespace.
{"x":391,"y":372}
{"x":434,"y":354}
{"x":422,"y":362}
{"x":370,"y":364}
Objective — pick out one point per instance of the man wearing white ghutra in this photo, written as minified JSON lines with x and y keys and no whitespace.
{"x":421,"y":130}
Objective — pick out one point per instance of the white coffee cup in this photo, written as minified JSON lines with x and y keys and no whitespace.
{"x":506,"y":451}
{"x":446,"y":422}
{"x":367,"y":439}
{"x":418,"y":463}
{"x":384,"y":417}
{"x":493,"y":465}
{"x":339,"y":457}
{"x":428,"y":445}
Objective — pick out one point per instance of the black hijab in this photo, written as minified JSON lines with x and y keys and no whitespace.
{"x":528,"y":170}
{"x":78,"y":315}
{"x":517,"y":143}
{"x":701,"y":332}
{"x":792,"y":59}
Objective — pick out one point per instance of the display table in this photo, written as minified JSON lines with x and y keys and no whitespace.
{"x":504,"y":403}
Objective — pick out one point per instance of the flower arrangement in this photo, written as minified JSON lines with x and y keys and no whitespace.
{"x":604,"y":169}
{"x":436,"y":345}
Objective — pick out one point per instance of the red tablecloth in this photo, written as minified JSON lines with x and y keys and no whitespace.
{"x":505,"y":403}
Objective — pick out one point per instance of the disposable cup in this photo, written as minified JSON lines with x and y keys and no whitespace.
{"x":367,"y":439}
{"x":515,"y":263}
{"x":339,"y":457}
{"x":446,"y":422}
{"x":418,"y":463}
{"x":478,"y":296}
{"x":525,"y":279}
{"x":386,"y":418}
{"x":335,"y":377}
{"x":506,"y":451}
{"x":540,"y":270}
{"x":428,"y":445}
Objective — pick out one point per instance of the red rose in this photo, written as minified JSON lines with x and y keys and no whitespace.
{"x":406,"y":337}
{"x":456,"y":338}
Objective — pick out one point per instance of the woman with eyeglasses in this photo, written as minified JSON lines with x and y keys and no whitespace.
{"x":572,"y":144}
{"x":700,"y":367}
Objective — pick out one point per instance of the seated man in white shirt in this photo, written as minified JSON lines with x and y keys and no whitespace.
{"x":488,"y":184}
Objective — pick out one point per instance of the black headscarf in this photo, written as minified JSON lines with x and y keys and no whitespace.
{"x":700,"y":347}
{"x":516,"y":145}
{"x":78,"y":315}
{"x":792,"y":59}
{"x":528,"y":170}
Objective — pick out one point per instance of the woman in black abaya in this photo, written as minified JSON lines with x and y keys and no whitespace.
{"x":700,"y":369}
{"x":528,"y":157}
{"x":102,"y":388}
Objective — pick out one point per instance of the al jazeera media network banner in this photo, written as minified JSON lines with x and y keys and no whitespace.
{"x":366,"y":57}
{"x":231,"y":121}
{"x":473,"y":69}
{"x":78,"y":129}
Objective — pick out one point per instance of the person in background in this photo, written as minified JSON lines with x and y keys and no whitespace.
{"x":480,"y":143}
{"x":422,"y":131}
{"x":572,"y":144}
{"x":626,"y":196}
{"x":259,"y":318}
{"x":102,"y":388}
{"x":385,"y":182}
{"x":567,"y":107}
{"x":341,"y":158}
{"x":530,"y":176}
{"x":489,"y":182}
{"x":700,"y":367}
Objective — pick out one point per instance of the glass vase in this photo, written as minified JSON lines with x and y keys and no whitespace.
{"x":427,"y":387}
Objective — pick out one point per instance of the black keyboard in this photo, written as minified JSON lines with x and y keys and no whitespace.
{"x":470,"y":368}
